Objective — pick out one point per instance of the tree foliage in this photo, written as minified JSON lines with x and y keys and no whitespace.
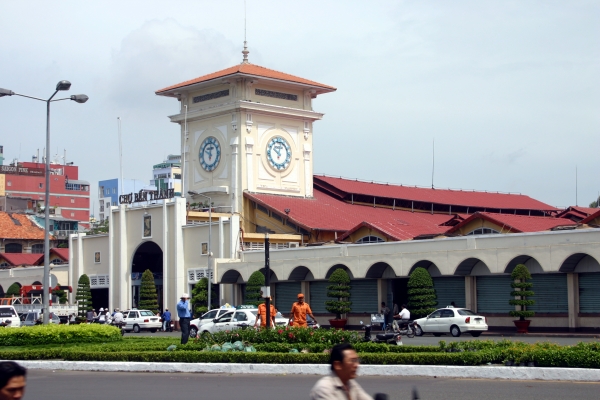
{"x":148,"y":297}
{"x":200,"y":297}
{"x":100,"y":227}
{"x":340,"y":291}
{"x":14,"y":290}
{"x":255,"y":282}
{"x":83,"y":296}
{"x":421,"y":294}
{"x":522,"y":290}
{"x":60,"y":295}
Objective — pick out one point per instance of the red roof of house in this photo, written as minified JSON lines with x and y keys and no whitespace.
{"x":19,"y":226}
{"x":577,"y":212}
{"x":22,"y":258}
{"x":342,"y":187}
{"x":324,"y":212}
{"x":591,"y":217}
{"x":516,"y":223}
{"x":250,"y":70}
{"x":61,"y":252}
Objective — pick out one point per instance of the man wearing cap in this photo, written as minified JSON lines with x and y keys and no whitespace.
{"x":299,"y":311}
{"x":185,"y":316}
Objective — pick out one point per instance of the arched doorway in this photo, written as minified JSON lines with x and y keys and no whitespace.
{"x":148,"y":255}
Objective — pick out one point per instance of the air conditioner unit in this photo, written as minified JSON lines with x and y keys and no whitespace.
{"x":293,"y":245}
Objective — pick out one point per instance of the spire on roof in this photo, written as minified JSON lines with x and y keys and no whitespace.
{"x":245,"y":53}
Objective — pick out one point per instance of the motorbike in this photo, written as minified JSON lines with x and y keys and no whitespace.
{"x":405,"y":327}
{"x":390,"y":338}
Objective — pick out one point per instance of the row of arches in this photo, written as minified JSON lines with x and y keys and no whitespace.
{"x":579,"y":262}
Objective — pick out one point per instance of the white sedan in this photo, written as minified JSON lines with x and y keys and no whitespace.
{"x":141,"y":320}
{"x":196,"y":324}
{"x":230,"y":321}
{"x":451,"y":320}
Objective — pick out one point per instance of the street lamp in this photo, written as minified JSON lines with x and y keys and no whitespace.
{"x":193,"y":193}
{"x":78,"y":98}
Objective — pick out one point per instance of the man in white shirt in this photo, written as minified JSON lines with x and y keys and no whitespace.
{"x":118,"y":318}
{"x":404,"y":314}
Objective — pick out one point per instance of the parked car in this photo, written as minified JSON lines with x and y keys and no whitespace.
{"x":451,"y":320}
{"x":141,"y":320}
{"x":9,"y":317}
{"x":34,"y":317}
{"x":208,"y":316}
{"x":231,"y":320}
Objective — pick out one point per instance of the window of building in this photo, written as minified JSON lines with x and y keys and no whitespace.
{"x":114,"y":190}
{"x":8,"y":183}
{"x":72,"y":201}
{"x":13,"y":248}
{"x":37,"y":248}
{"x":4,"y":264}
{"x":41,"y":185}
{"x":482,"y":231}
{"x":72,"y":214}
{"x":370,"y":239}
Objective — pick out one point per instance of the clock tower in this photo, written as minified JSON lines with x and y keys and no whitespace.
{"x":246,"y":128}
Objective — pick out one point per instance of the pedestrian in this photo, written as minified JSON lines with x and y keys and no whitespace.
{"x":167,"y":320}
{"x":91,"y":316}
{"x":385,"y":310}
{"x":185,"y":316}
{"x":262,"y":314}
{"x":341,"y":385}
{"x":72,"y":319}
{"x":101,"y":316}
{"x":12,"y":380}
{"x":299,"y":311}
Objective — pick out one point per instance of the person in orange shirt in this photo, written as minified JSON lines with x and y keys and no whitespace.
{"x":299,"y":311}
{"x":262,"y":314}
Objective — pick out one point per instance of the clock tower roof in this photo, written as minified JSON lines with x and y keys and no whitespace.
{"x":250,"y":71}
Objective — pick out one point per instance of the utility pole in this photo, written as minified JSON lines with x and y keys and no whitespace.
{"x":267,"y":281}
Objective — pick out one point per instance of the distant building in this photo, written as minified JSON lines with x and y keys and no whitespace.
{"x":22,"y":189}
{"x":167,"y":175}
{"x":109,"y":191}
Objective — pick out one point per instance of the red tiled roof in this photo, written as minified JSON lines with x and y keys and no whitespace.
{"x":591,"y":217}
{"x":516,"y":223}
{"x":324,"y":212}
{"x":19,"y":226}
{"x":61,"y":252}
{"x":580,"y":212}
{"x":248,"y":69}
{"x":342,"y":187}
{"x":22,"y":258}
{"x":397,"y":231}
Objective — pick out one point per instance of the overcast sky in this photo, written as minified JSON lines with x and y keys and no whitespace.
{"x":510,"y":91}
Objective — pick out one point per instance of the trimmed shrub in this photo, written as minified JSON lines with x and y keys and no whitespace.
{"x":339,"y":290}
{"x":59,"y":334}
{"x":522,"y":290}
{"x":83,"y":297}
{"x":200,"y":297}
{"x":421,"y":294}
{"x":14,"y":290}
{"x":255,"y":282}
{"x":148,"y":297}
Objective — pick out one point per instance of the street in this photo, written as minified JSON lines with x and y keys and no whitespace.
{"x":65,"y":385}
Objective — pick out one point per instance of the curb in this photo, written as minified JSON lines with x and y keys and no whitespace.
{"x":480,"y":372}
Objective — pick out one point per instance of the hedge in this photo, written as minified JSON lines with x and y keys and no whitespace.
{"x":59,"y":334}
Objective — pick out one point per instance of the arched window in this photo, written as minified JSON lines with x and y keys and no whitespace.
{"x":37,"y":248}
{"x":369,"y":239}
{"x":4,"y":264}
{"x":482,"y":231}
{"x":57,"y":261}
{"x":13,"y":248}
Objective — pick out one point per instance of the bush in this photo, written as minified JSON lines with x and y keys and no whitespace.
{"x":200,"y":297}
{"x":255,"y":282}
{"x":421,"y":294}
{"x":338,"y":290}
{"x":13,"y":290}
{"x":521,"y":275}
{"x":59,"y":334}
{"x":292,"y":335}
{"x":83,"y":296}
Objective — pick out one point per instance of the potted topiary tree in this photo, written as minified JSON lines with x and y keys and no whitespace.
{"x":520,"y":276}
{"x":339,"y":290}
{"x":148,"y":296}
{"x":421,"y":294}
{"x":255,"y":282}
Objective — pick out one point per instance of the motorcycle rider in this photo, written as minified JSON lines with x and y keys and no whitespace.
{"x":404,"y":318}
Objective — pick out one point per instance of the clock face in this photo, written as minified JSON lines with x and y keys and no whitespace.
{"x":210,"y":154}
{"x":279,"y":153}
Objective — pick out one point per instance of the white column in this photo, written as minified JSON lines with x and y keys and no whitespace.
{"x":71,"y":267}
{"x":471,"y":293}
{"x":234,"y":175}
{"x":112,"y":298}
{"x":165,"y":271}
{"x":221,"y":236}
{"x":249,"y":163}
{"x":124,"y":267}
{"x":308,"y":181}
{"x":573,"y":300}
{"x":178,"y":267}
{"x":80,"y":236}
{"x":234,"y":237}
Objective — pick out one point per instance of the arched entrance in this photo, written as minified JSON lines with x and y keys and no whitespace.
{"x":148,"y":255}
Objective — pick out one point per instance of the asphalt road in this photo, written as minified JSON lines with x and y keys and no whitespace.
{"x":429,"y":339}
{"x":65,"y":385}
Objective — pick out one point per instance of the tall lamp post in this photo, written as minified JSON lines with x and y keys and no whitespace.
{"x":78,"y":98}
{"x":193,"y":193}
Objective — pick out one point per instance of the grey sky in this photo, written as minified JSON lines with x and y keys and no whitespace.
{"x":509,"y":90}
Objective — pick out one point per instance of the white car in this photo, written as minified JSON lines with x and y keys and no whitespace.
{"x":451,"y":320}
{"x":207,"y":317}
{"x":231,"y":320}
{"x":9,"y":317}
{"x":141,"y":320}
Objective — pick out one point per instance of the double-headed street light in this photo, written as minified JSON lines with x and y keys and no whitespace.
{"x":193,"y":193}
{"x":78,"y":98}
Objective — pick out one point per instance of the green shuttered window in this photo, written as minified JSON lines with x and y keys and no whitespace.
{"x":450,"y":289}
{"x":318,"y":296}
{"x":493,"y":294}
{"x":589,"y":292}
{"x":550,"y":293}
{"x":363,"y":295}
{"x":286,"y":294}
